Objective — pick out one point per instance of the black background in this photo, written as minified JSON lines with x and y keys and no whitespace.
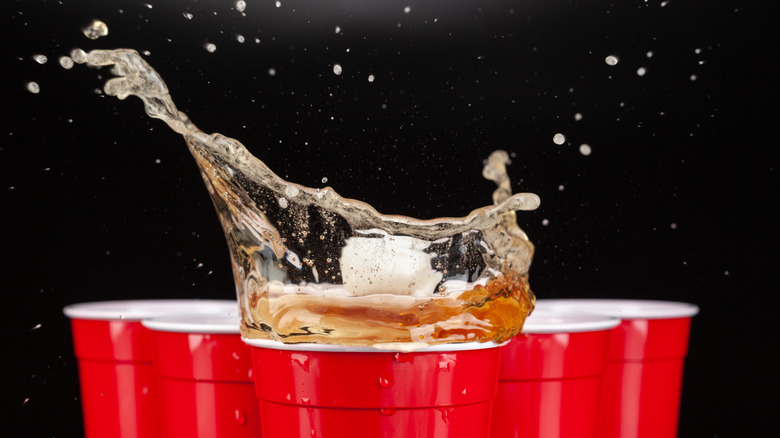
{"x":677,"y":200}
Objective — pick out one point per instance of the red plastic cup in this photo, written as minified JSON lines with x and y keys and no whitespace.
{"x":114,"y":352}
{"x":324,"y":391}
{"x":550,"y":377}
{"x":643,"y":381}
{"x":204,"y":375}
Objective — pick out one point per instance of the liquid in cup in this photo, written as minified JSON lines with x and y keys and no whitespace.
{"x":115,"y":357}
{"x":204,"y":377}
{"x":311,"y":266}
{"x":551,"y":376}
{"x":643,"y":381}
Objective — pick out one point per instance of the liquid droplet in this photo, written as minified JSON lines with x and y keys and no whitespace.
{"x":240,"y":5}
{"x":402,"y":357}
{"x":386,"y":381}
{"x":371,"y":78}
{"x":95,"y":30}
{"x":559,"y":139}
{"x":387,"y":411}
{"x":611,"y":60}
{"x":578,"y":117}
{"x":40,"y":59}
{"x":240,"y":417}
{"x":210,"y":47}
{"x":33,"y":87}
{"x":641,"y":71}
{"x":585,"y":149}
{"x":66,"y":62}
{"x":337,"y":69}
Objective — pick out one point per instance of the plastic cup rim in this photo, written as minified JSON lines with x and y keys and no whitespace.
{"x":318,"y":348}
{"x":544,"y":322}
{"x":619,"y":308}
{"x":190,"y":323}
{"x":138,"y":310}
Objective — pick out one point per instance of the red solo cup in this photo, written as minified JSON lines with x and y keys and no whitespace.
{"x":204,"y":375}
{"x":326,"y":391}
{"x":643,"y":381}
{"x":114,"y":352}
{"x":550,"y":377}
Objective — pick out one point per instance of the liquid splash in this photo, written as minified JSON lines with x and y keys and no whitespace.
{"x":311,"y":266}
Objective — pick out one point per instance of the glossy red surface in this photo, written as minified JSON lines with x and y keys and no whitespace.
{"x":550,"y":385}
{"x":118,"y":388}
{"x":643,"y":382}
{"x":342,"y":394}
{"x":205,"y":386}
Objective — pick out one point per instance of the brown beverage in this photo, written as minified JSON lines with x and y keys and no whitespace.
{"x":311,"y":266}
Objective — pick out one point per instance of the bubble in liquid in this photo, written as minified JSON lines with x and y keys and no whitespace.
{"x":33,"y":87}
{"x":585,"y":149}
{"x":66,"y":62}
{"x":95,"y":30}
{"x":611,"y":60}
{"x":40,"y":59}
{"x":210,"y":47}
{"x":337,"y":69}
{"x":559,"y":139}
{"x":578,"y":117}
{"x":240,"y":5}
{"x":371,"y":78}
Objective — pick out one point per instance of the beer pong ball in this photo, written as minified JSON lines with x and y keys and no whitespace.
{"x":204,"y":375}
{"x":643,"y":381}
{"x":550,"y":377}
{"x":331,"y":391}
{"x":114,"y":353}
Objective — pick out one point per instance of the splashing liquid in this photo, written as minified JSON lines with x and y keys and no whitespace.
{"x":311,"y":266}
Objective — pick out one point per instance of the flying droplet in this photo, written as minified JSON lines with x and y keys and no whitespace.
{"x":272,"y":72}
{"x":649,"y":54}
{"x":338,"y":29}
{"x":324,"y":179}
{"x":611,"y":60}
{"x":371,"y":78}
{"x":210,"y":47}
{"x":240,"y":38}
{"x":559,"y":139}
{"x":187,"y":15}
{"x":337,"y":69}
{"x":641,"y":71}
{"x":585,"y":149}
{"x":545,"y":222}
{"x":66,"y":62}
{"x":578,"y":117}
{"x":407,"y":9}
{"x":33,"y":87}
{"x":240,"y":5}
{"x":40,"y":59}
{"x":278,"y":4}
{"x":95,"y":30}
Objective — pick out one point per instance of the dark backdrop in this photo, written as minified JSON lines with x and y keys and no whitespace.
{"x":675,"y":202}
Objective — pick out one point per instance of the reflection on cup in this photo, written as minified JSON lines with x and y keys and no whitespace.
{"x":329,"y":391}
{"x":643,"y":381}
{"x":114,"y":352}
{"x":550,"y":377}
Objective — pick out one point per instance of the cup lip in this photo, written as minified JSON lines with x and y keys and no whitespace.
{"x":220,"y":323}
{"x":544,"y":322}
{"x":619,"y":308}
{"x":397,"y":347}
{"x":137,"y":310}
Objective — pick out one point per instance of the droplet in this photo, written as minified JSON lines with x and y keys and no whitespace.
{"x":338,"y":29}
{"x":240,"y":417}
{"x":649,"y":54}
{"x":386,"y":381}
{"x":561,"y":187}
{"x":407,"y":9}
{"x":324,"y":179}
{"x":673,"y":226}
{"x":33,"y":87}
{"x":278,"y":4}
{"x":402,"y":357}
{"x":283,"y":202}
{"x":187,"y":15}
{"x":210,"y":47}
{"x":641,"y":71}
{"x":95,"y":30}
{"x":337,"y":69}
{"x":611,"y":60}
{"x":66,"y":62}
{"x":272,"y":72}
{"x":559,"y":139}
{"x":78,"y":56}
{"x":240,"y":38}
{"x":387,"y":411}
{"x":371,"y":78}
{"x":40,"y":59}
{"x":578,"y":117}
{"x":585,"y":149}
{"x":240,"y":5}
{"x":545,"y":222}
{"x":693,"y":77}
